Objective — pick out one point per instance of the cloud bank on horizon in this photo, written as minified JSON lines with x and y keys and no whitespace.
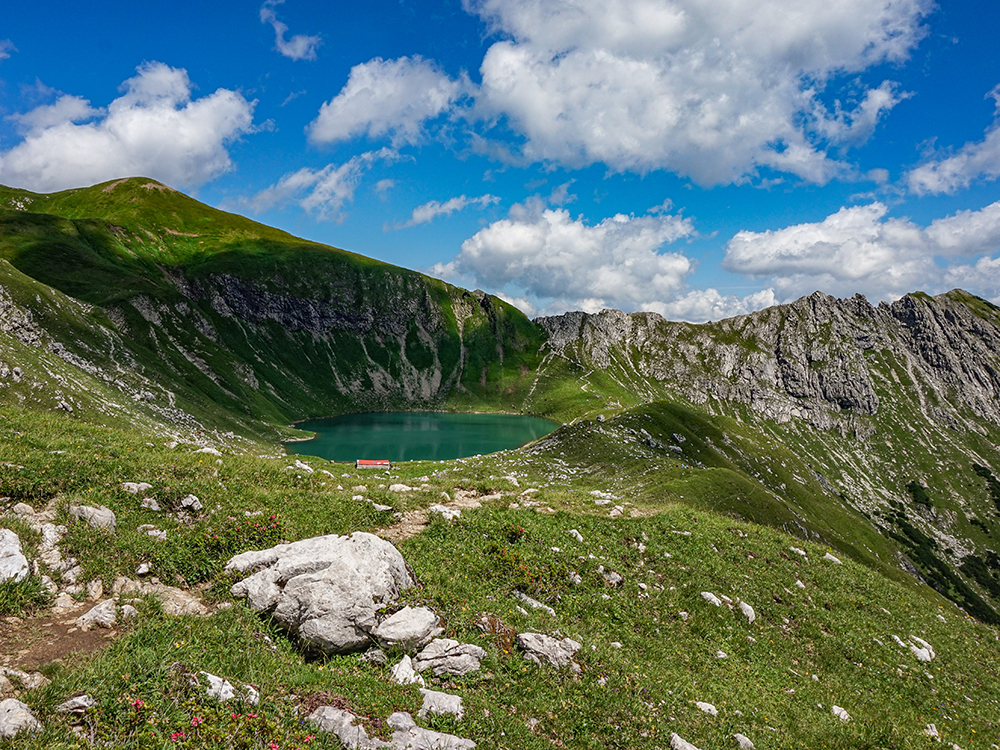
{"x":765,"y":133}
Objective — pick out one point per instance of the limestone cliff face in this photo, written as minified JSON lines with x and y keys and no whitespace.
{"x":832,"y":362}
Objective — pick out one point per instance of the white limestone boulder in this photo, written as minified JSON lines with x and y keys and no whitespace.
{"x":326,"y":589}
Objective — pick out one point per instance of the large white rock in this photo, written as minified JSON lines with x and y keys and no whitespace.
{"x":16,"y":717}
{"x":99,"y":517}
{"x":13,"y":563}
{"x":326,"y":589}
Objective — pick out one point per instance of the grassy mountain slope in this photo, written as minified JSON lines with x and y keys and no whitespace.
{"x":241,"y":318}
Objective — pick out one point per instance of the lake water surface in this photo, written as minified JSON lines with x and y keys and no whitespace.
{"x":417,"y":436}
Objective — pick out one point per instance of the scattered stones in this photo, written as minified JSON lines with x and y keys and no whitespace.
{"x":400,"y":488}
{"x":16,"y":717}
{"x":99,"y":517}
{"x":832,"y":559}
{"x":574,"y":578}
{"x":410,"y":627}
{"x":841,"y":713}
{"x":533,"y":603}
{"x":711,"y":598}
{"x":617,"y":511}
{"x":707,"y":708}
{"x":748,"y":612}
{"x":104,"y":615}
{"x":326,"y":589}
{"x":436,"y":702}
{"x":406,"y":734}
{"x":576,"y":535}
{"x":13,"y":563}
{"x":303,"y":466}
{"x":404,"y":674}
{"x":136,"y":487}
{"x":446,"y":656}
{"x":150,"y":530}
{"x":209,"y":451}
{"x":544,"y":649}
{"x":679,"y":743}
{"x":78,"y":704}
{"x":798,"y":551}
{"x":743,"y":742}
{"x":931,"y":731}
{"x":150,"y":504}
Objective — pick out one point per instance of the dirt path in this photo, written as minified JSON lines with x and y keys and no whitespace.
{"x":31,"y":642}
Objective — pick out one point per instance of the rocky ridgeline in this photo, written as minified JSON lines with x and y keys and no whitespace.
{"x":816,"y":359}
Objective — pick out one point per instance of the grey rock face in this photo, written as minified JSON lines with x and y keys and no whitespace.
{"x":808,"y":360}
{"x":327,"y":589}
{"x":13,"y":563}
{"x":446,"y":656}
{"x":16,"y":717}
{"x":99,"y":517}
{"x":544,"y":649}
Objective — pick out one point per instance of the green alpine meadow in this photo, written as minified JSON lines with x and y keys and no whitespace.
{"x":780,"y":530}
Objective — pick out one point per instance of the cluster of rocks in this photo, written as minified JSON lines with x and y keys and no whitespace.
{"x":338,"y":594}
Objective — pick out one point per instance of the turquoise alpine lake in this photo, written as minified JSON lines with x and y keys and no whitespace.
{"x":417,"y":436}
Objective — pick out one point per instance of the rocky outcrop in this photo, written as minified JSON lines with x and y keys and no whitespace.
{"x":820,"y":359}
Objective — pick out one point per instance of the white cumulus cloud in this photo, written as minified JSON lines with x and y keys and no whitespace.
{"x":153,"y":129}
{"x":322,"y":192}
{"x":6,"y":47}
{"x":387,"y":97}
{"x":432,"y":209}
{"x":300,"y":46}
{"x":710,"y":89}
{"x":978,"y":160}
{"x":862,"y":249}
{"x":557,"y":259}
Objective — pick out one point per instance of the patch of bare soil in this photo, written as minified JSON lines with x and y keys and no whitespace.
{"x":31,"y":642}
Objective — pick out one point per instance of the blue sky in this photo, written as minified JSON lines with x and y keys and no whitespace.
{"x":697,"y":158}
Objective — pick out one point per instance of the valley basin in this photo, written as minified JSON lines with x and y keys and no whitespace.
{"x":417,"y":436}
